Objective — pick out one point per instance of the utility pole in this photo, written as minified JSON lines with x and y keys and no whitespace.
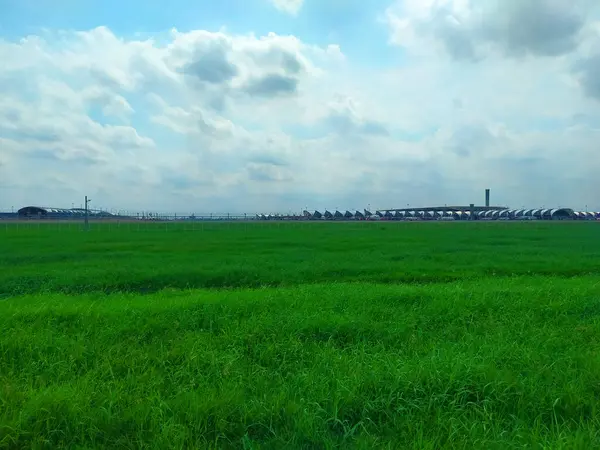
{"x":87,"y":225}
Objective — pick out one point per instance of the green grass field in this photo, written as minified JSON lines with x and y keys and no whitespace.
{"x":307,"y":336}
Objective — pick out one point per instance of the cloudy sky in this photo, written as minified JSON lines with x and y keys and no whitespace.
{"x":278,"y":105}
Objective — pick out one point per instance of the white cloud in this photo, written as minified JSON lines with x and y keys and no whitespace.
{"x":288,"y":6}
{"x":205,"y":121}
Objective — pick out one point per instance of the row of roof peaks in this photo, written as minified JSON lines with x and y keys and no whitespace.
{"x":426,"y":213}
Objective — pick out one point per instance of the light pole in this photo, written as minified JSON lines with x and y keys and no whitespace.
{"x":87,"y":201}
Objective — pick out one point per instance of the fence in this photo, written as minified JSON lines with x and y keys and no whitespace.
{"x":153,"y":221}
{"x":100,"y":218}
{"x":168,"y":224}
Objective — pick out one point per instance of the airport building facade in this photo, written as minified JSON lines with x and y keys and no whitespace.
{"x":449,"y":214}
{"x":41,"y":212}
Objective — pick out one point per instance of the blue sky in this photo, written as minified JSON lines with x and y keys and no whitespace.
{"x":345,"y":22}
{"x":254,"y":107}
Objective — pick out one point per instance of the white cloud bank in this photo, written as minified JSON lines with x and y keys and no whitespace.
{"x":212,"y":122}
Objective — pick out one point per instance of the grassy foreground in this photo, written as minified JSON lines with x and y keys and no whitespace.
{"x":420,"y":336}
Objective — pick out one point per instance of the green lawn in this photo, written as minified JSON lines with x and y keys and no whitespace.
{"x":364,"y":335}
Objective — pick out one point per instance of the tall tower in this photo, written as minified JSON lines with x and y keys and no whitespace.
{"x":487,"y":198}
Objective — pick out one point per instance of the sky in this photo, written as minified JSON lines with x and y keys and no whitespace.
{"x":266,"y":106}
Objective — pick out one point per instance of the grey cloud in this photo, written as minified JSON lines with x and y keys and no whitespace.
{"x":111,"y":105}
{"x":542,"y":27}
{"x":190,"y":122}
{"x":114,"y":136}
{"x":61,"y":154}
{"x":584,"y":120}
{"x":523,"y":171}
{"x":291,"y":63}
{"x":588,"y":72}
{"x":212,"y":66}
{"x":14,"y":124}
{"x":41,"y":135}
{"x":275,"y":73}
{"x":179,"y":181}
{"x":269,"y":159}
{"x":279,"y":57}
{"x":217,"y":101}
{"x":374,"y":128}
{"x":112,"y":79}
{"x":272,"y":85}
{"x":458,"y":44}
{"x":10,"y":116}
{"x":346,"y":117}
{"x":267,"y":172}
{"x":345,"y":124}
{"x":265,"y":151}
{"x":103,"y":78}
{"x":210,"y":130}
{"x":466,"y":140}
{"x":516,"y":27}
{"x":200,"y":123}
{"x":456,"y":37}
{"x":341,"y":123}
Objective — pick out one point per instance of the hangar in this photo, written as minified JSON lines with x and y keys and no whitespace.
{"x":479,"y":213}
{"x":41,"y":212}
{"x":458,"y":213}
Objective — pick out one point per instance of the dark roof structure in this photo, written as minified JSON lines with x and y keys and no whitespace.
{"x":42,"y":211}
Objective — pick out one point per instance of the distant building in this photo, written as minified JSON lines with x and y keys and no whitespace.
{"x":447,"y":213}
{"x":482,"y":213}
{"x":40,"y":212}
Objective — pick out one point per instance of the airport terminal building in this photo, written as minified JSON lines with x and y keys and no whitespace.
{"x":454,"y":213}
{"x":470,"y":212}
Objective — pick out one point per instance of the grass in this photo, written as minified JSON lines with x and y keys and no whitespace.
{"x":421,"y":336}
